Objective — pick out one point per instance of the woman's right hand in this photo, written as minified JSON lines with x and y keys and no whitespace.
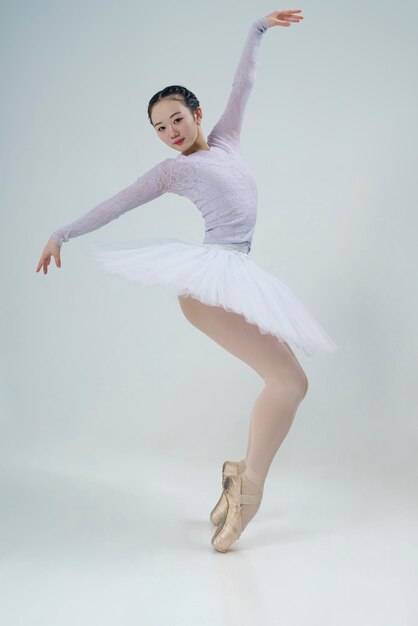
{"x":51,"y":249}
{"x":283,"y":17}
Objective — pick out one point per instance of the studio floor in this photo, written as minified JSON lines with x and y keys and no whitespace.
{"x":326,"y":549}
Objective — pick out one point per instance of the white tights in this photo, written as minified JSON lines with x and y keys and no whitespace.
{"x":285,"y":382}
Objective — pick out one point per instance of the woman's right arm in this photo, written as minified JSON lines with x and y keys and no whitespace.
{"x":147,"y":187}
{"x":228,"y":127}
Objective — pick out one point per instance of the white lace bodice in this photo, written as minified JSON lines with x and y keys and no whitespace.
{"x":217,"y":180}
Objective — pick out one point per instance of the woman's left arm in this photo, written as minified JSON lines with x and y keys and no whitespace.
{"x":228,"y":127}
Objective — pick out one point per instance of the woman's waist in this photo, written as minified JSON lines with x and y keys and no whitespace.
{"x":241,"y":247}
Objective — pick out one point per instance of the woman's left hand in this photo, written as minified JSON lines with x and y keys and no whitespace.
{"x":283,"y":17}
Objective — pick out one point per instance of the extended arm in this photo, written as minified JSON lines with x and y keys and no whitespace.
{"x":146,"y":188}
{"x":229,"y":125}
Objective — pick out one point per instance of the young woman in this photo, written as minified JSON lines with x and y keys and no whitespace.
{"x":221,"y":291}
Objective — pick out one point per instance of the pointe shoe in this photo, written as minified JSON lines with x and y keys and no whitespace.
{"x":218,"y":513}
{"x":228,"y":532}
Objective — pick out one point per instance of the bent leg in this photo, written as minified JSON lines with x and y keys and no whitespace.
{"x":263,"y":352}
{"x":285,"y":382}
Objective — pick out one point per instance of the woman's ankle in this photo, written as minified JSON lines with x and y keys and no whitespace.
{"x":254,"y":477}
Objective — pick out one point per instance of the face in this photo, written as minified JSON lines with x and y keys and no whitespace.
{"x":173,"y":121}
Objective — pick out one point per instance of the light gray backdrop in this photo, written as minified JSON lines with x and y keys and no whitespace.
{"x":105,"y":381}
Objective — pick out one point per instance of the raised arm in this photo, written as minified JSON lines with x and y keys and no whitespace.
{"x":228,"y":127}
{"x":146,"y":188}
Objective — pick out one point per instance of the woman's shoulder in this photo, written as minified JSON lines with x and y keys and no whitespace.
{"x":174,"y":174}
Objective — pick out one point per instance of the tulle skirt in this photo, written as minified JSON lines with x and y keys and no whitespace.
{"x":220,"y":275}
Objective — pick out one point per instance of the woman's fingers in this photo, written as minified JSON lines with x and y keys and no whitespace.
{"x":285,"y":17}
{"x":41,"y":263}
{"x":288,"y":16}
{"x":44,"y":262}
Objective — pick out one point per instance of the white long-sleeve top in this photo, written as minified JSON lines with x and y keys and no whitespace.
{"x":217,"y":180}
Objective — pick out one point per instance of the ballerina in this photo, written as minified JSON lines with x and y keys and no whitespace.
{"x":220,"y":289}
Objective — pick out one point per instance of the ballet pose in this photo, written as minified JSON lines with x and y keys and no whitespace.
{"x":220,"y":289}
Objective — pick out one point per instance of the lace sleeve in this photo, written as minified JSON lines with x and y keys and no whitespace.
{"x":147,"y":187}
{"x":229,"y":125}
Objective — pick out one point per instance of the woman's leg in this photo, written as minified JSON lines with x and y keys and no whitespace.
{"x":285,"y":381}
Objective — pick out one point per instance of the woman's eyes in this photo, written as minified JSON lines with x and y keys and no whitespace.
{"x":178,"y":119}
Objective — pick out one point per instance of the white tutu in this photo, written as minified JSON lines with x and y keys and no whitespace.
{"x":218,"y":275}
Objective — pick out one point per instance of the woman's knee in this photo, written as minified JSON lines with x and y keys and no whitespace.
{"x":305,"y":386}
{"x":303,"y":383}
{"x":293,"y":382}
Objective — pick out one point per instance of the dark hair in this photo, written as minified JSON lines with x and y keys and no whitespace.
{"x":174,"y":92}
